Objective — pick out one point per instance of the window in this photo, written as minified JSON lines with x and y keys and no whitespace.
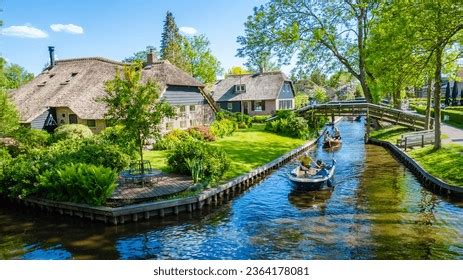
{"x":169,"y":126}
{"x":91,"y":123}
{"x":192,"y":108}
{"x":240,"y":88}
{"x":258,"y":105}
{"x":230,"y":106}
{"x":192,"y":122}
{"x":72,"y":118}
{"x":285,"y":104}
{"x":182,"y":109}
{"x":182,"y":124}
{"x":73,"y":74}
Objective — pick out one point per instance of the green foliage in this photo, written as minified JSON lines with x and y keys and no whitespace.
{"x":238,"y":70}
{"x":288,"y":124}
{"x":171,"y":139}
{"x":9,"y":117}
{"x":260,"y":118}
{"x":72,"y":131}
{"x":5,"y":159}
{"x":223,"y":127}
{"x":201,"y":63}
{"x":136,"y":105}
{"x":12,"y":76}
{"x":118,"y":136}
{"x":301,"y":100}
{"x":80,"y":183}
{"x":209,"y":163}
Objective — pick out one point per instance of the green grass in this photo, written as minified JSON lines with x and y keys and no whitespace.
{"x":247,"y":149}
{"x":390,"y":133}
{"x":445,"y":163}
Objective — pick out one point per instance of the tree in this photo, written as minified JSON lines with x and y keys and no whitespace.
{"x":135,"y":105}
{"x":13,"y":76}
{"x":330,"y":33}
{"x":9,"y":117}
{"x":202,"y":64}
{"x":238,"y":70}
{"x":172,"y":43}
{"x":140,"y":56}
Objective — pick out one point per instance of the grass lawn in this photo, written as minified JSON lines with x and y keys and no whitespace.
{"x":247,"y":149}
{"x":390,"y":133}
{"x":446,"y":163}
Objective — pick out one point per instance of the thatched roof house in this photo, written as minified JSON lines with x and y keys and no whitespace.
{"x":68,"y":92}
{"x":255,"y":94}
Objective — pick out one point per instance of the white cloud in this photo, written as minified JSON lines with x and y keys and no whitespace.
{"x":23,"y":31}
{"x":187,"y":30}
{"x":68,"y":28}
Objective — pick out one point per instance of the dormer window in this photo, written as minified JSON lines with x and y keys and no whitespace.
{"x":240,"y":88}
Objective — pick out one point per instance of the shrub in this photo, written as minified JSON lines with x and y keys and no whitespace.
{"x":260,"y":119}
{"x":72,"y":131}
{"x":289,"y":124}
{"x":118,"y":136}
{"x":201,"y":133}
{"x":243,"y":121}
{"x":32,"y":138}
{"x":81,"y":183}
{"x":172,"y":138}
{"x":223,"y":127}
{"x":203,"y":161}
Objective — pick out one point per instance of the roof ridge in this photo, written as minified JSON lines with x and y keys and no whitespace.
{"x":103,"y":59}
{"x":256,"y":74}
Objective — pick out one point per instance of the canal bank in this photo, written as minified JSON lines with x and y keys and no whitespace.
{"x":377,"y":210}
{"x":435,"y":184}
{"x":210,"y":197}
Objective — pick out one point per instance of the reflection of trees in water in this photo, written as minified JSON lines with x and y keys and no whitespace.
{"x":400,"y":212}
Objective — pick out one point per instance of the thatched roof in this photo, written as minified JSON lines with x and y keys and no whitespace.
{"x":265,"y":86}
{"x":79,"y":83}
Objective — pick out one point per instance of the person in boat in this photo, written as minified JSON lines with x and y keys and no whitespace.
{"x":327,"y":137}
{"x":336,"y":133}
{"x":306,"y":165}
{"x":321,"y":166}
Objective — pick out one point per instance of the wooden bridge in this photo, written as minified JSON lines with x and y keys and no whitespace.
{"x":369,"y":110}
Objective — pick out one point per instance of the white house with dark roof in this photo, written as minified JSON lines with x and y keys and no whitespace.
{"x":69,"y":91}
{"x":255,"y":94}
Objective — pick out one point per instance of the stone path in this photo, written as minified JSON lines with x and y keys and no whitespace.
{"x":455,"y":134}
{"x":162,"y":185}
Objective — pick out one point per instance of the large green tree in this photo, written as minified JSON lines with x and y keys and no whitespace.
{"x":9,"y":117}
{"x":135,"y":105}
{"x":201,"y":63}
{"x":172,"y":43}
{"x":331,"y":33}
{"x":12,"y":75}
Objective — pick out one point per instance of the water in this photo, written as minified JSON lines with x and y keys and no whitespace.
{"x":378,"y":210}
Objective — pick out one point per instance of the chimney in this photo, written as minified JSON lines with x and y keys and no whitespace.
{"x":51,"y":50}
{"x":151,"y":57}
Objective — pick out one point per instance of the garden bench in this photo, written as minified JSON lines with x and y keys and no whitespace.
{"x":417,"y":138}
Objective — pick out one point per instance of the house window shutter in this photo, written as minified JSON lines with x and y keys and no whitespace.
{"x":252,"y":105}
{"x":263,"y":105}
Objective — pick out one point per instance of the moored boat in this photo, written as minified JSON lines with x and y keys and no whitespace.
{"x":313,"y":178}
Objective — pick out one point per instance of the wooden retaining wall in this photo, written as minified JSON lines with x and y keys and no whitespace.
{"x":427,"y":180}
{"x":132,"y":213}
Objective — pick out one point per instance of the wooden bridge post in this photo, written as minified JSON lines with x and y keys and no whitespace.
{"x":332,"y":118}
{"x":367,"y":133}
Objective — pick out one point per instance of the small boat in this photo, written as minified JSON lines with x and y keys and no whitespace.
{"x":332,"y":143}
{"x":313,"y":179}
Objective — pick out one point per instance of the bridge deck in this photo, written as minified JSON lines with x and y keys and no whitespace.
{"x":379,"y":112}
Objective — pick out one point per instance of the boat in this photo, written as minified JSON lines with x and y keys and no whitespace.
{"x":332,"y":143}
{"x":314,"y":178}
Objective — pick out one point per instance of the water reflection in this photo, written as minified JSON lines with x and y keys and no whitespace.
{"x":377,"y":210}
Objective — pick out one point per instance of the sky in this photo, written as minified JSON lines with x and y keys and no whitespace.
{"x":115,"y":29}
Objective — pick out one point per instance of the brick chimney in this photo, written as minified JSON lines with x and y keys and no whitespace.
{"x":151,"y":57}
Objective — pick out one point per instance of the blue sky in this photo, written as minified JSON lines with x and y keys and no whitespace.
{"x":114,"y":28}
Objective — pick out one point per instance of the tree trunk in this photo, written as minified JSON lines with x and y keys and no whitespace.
{"x":428,"y":103}
{"x":396,"y":99}
{"x":437,"y":93}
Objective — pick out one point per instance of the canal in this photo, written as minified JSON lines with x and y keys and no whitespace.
{"x":377,"y":210}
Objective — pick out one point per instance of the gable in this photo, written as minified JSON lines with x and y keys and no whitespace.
{"x":183,"y":95}
{"x":286,"y":91}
